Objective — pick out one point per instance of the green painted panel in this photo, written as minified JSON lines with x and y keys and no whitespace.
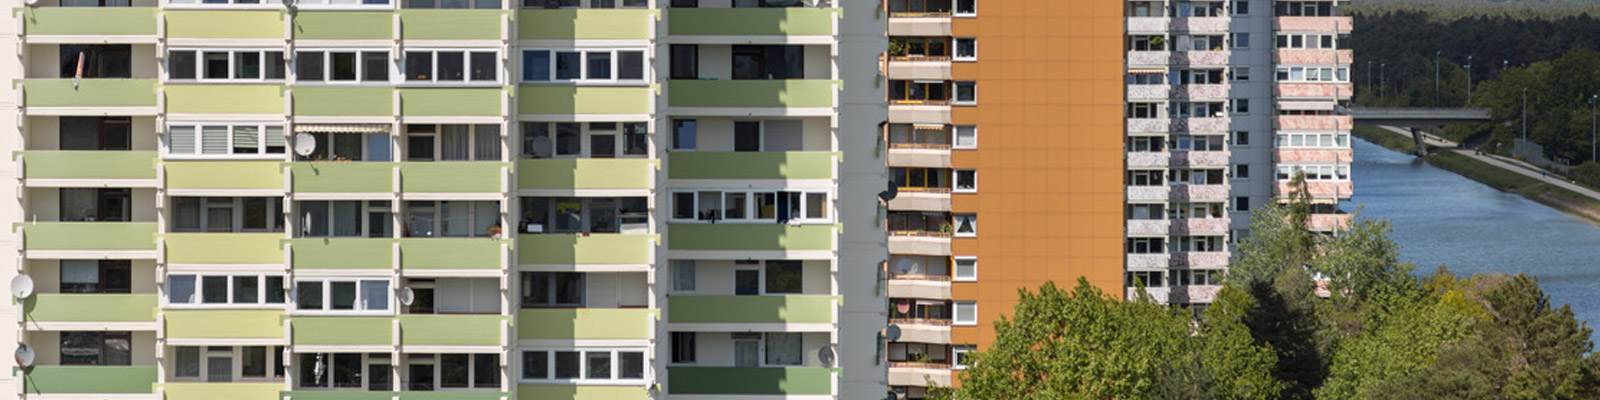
{"x":451,"y":177}
{"x":224,"y":174}
{"x":582,"y":392}
{"x":450,"y":24}
{"x":320,"y":253}
{"x":71,"y":164}
{"x":224,"y":324}
{"x":584,"y":323}
{"x":84,"y":307}
{"x":750,"y":381}
{"x":583,"y":100}
{"x":750,"y":21}
{"x":450,"y":330}
{"x":450,"y":101}
{"x":219,"y":390}
{"x":750,"y":165}
{"x":338,"y":395}
{"x":343,"y":101}
{"x":347,"y":25}
{"x":740,"y":237}
{"x":65,"y":379}
{"x":224,"y":248}
{"x":343,"y":176}
{"x":450,"y":253}
{"x":794,"y":309}
{"x":587,"y":173}
{"x":453,"y":395}
{"x":790,"y":93}
{"x":89,"y":235}
{"x":93,"y":21}
{"x":599,"y":248}
{"x":89,"y":93}
{"x":584,"y":24}
{"x":349,"y":331}
{"x":225,"y":99}
{"x":225,"y":24}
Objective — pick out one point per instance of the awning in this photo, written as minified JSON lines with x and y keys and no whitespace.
{"x":928,"y":127}
{"x":341,"y":128}
{"x":1147,"y":71}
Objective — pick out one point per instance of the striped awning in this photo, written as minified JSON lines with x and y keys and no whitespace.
{"x":928,"y":127}
{"x":1147,"y":71}
{"x":341,"y":128}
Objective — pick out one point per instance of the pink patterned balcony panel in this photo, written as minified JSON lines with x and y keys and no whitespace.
{"x":1314,"y":24}
{"x":1208,"y":57}
{"x":1149,"y":261}
{"x":1149,"y":24}
{"x":1149,"y":58}
{"x":1314,"y":56}
{"x":1200,"y":193}
{"x":1323,"y":190}
{"x":1149,"y":92}
{"x":1200,"y":158}
{"x":1149,"y":227}
{"x":1314,"y":90}
{"x":1149,"y":159}
{"x":1159,"y":294}
{"x":1152,"y":125}
{"x":1214,"y":124}
{"x":1210,"y":91}
{"x":1201,"y":259}
{"x":1214,"y":226}
{"x":1315,"y":156}
{"x":1329,"y":222}
{"x":1201,"y":24}
{"x":1157,"y":194}
{"x":1315,"y":122}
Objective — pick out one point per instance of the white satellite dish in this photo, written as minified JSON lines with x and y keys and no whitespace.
{"x":32,"y":2}
{"x":542,"y":147}
{"x":826,"y":356}
{"x":892,"y":333}
{"x":904,"y":266}
{"x":304,"y":144}
{"x":24,"y":355}
{"x":22,"y":286}
{"x":407,"y":296}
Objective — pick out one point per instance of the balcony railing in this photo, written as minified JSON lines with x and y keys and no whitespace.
{"x":88,"y":21}
{"x":83,"y":307}
{"x":788,"y":21}
{"x":93,"y":165}
{"x":921,"y":321}
{"x":791,"y":309}
{"x":736,"y":93}
{"x":749,"y":237}
{"x":89,"y":380}
{"x":750,"y":380}
{"x":584,"y":323}
{"x":750,"y":165}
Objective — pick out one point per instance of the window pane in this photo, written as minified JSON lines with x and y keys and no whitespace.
{"x":568,"y":64}
{"x":246,"y":289}
{"x":630,"y":65}
{"x":274,"y":65}
{"x":214,"y":289}
{"x":535,"y":365}
{"x":255,"y":213}
{"x":784,"y":348}
{"x":784,"y":276}
{"x":180,"y":65}
{"x":215,"y":65}
{"x":308,"y":296}
{"x":80,"y":276}
{"x":631,"y":365}
{"x":80,"y":348}
{"x":599,"y":365}
{"x":380,"y":377}
{"x":567,"y":365}
{"x":683,"y":275}
{"x":274,"y":289}
{"x":344,"y":66}
{"x":375,"y":295}
{"x":536,"y":65}
{"x":419,"y":66}
{"x":346,"y":218}
{"x":247,"y":65}
{"x":375,"y":66}
{"x":817,"y":205}
{"x":344,"y":295}
{"x":346,"y":370}
{"x":453,"y":370}
{"x":484,"y":65}
{"x":486,"y":371}
{"x":180,"y":140}
{"x":253,"y":361}
{"x":180,"y":289}
{"x":188,"y":362}
{"x":308,"y":65}
{"x":452,"y":66}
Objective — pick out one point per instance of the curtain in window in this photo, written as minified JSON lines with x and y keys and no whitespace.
{"x":347,"y":146}
{"x":79,"y":276}
{"x":485,"y":215}
{"x":486,"y":142}
{"x":214,"y":140}
{"x":375,"y":295}
{"x":79,"y":204}
{"x":275,"y":137}
{"x":455,"y":143}
{"x":347,"y":218}
{"x":783,"y":348}
{"x":457,"y":218}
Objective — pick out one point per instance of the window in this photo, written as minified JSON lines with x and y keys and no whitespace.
{"x":917,"y":92}
{"x":966,"y":8}
{"x":552,"y":4}
{"x":966,"y":269}
{"x":685,"y":60}
{"x":966,"y":49}
{"x":1241,"y":40}
{"x":342,"y":66}
{"x":683,"y":276}
{"x":342,"y":296}
{"x":452,"y":66}
{"x":784,"y":348}
{"x":585,"y":365}
{"x":453,"y":142}
{"x":225,"y":65}
{"x":780,"y":207}
{"x":586,"y":65}
{"x":966,"y":137}
{"x":552,"y":289}
{"x":579,"y":140}
{"x":215,"y":363}
{"x":1241,"y":7}
{"x":966,"y":181}
{"x":350,"y":218}
{"x":96,"y":348}
{"x":584,"y":215}
{"x":453,"y":4}
{"x":96,"y":276}
{"x":683,"y":134}
{"x":343,"y":3}
{"x":1143,"y":110}
{"x":225,"y":214}
{"x":966,"y":93}
{"x":190,"y":290}
{"x":783,"y":276}
{"x":918,"y":47}
{"x":1335,"y":140}
{"x":1241,"y":73}
{"x":98,"y":60}
{"x":452,"y":218}
{"x":1323,"y":172}
{"x":966,"y":225}
{"x":768,"y":62}
{"x":188,"y":141}
{"x":966,"y":313}
{"x":1241,"y":138}
{"x":1241,"y":106}
{"x":920,"y":179}
{"x":89,"y":205}
{"x":683,"y":351}
{"x":1241,"y":171}
{"x":958,"y":356}
{"x":1241,"y":203}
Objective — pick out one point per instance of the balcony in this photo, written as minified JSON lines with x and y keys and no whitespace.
{"x":1321,"y":156}
{"x":1329,"y":222}
{"x":1321,"y":189}
{"x":449,"y":253}
{"x":1202,"y":25}
{"x":918,"y":374}
{"x":477,"y":394}
{"x":1200,"y":158}
{"x":83,"y":307}
{"x":1313,"y":56}
{"x":342,"y":331}
{"x":1149,"y":159}
{"x":1314,"y":24}
{"x":1149,"y":227}
{"x":1149,"y":92}
{"x":571,"y":174}
{"x":919,"y":287}
{"x":1149,"y":261}
{"x":1196,"y":226}
{"x":88,"y":381}
{"x":741,"y":23}
{"x":750,"y":237}
{"x":92,"y":239}
{"x":919,"y":155}
{"x":221,"y":390}
{"x":89,"y":96}
{"x":342,"y":177}
{"x":924,"y":112}
{"x":921,"y":200}
{"x":1325,"y":91}
{"x":453,"y":177}
{"x":1314,"y":122}
{"x":751,"y":94}
{"x":451,"y":24}
{"x":580,"y":249}
{"x":89,"y":168}
{"x":223,"y":248}
{"x":1202,"y":57}
{"x":764,"y":309}
{"x":1149,"y":125}
{"x":927,"y":68}
{"x":1201,"y":259}
{"x":225,"y":175}
{"x":225,"y":24}
{"x":1149,"y":24}
{"x":225,"y":99}
{"x":451,"y":102}
{"x":748,"y":381}
{"x":451,"y":330}
{"x":585,"y":323}
{"x":122,"y":24}
{"x":919,"y":24}
{"x":1189,"y":192}
{"x":582,"y":392}
{"x":1178,"y":294}
{"x":1149,"y":194}
{"x":923,"y":330}
{"x":1213,"y":91}
{"x":346,"y":25}
{"x":1202,"y":124}
{"x":584,"y":24}
{"x":342,"y":101}
{"x":224,"y":324}
{"x":341,"y":253}
{"x":923,"y":243}
{"x":1149,"y":58}
{"x":569,"y":100}
{"x":783,"y":165}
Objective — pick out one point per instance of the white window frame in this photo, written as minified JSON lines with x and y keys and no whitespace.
{"x":1311,"y":140}
{"x":437,"y":207}
{"x":956,"y":351}
{"x":274,"y":208}
{"x":365,"y":211}
{"x":403,"y":78}
{"x":955,"y":9}
{"x":438,"y":142}
{"x":199,"y":293}
{"x":677,"y":267}
{"x":585,"y":143}
{"x":232,"y":5}
{"x":1241,"y":73}
{"x":750,"y":210}
{"x":233,"y":59}
{"x":237,"y":373}
{"x":327,"y":5}
{"x":583,"y":65}
{"x":955,"y":137}
{"x":955,"y":181}
{"x":583,"y":366}
{"x":199,"y":133}
{"x":955,"y":93}
{"x":361,"y":73}
{"x":955,"y":52}
{"x":955,"y":313}
{"x":955,"y":275}
{"x":956,"y":225}
{"x":327,"y":298}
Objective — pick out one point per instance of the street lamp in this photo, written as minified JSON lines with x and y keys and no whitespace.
{"x":1524,"y":115}
{"x":1369,"y":74}
{"x":1436,"y":77}
{"x":1381,"y":74}
{"x":1469,"y":79}
{"x":1594,"y":125}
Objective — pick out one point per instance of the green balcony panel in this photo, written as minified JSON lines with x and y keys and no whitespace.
{"x":584,"y":323}
{"x":451,"y":177}
{"x":224,"y":324}
{"x":750,"y":380}
{"x":767,"y":309}
{"x":338,"y":394}
{"x":89,"y":21}
{"x":84,"y":307}
{"x":221,"y":390}
{"x":582,"y":392}
{"x":588,"y":173}
{"x":346,"y":331}
{"x":343,"y":176}
{"x":742,"y":237}
{"x":89,"y":235}
{"x":224,"y":174}
{"x":451,"y":253}
{"x":584,"y":24}
{"x":343,"y":101}
{"x":342,"y":253}
{"x":224,"y":248}
{"x":89,"y":93}
{"x":750,"y":165}
{"x":345,"y":25}
{"x":89,"y":379}
{"x":450,"y":330}
{"x":538,"y":99}
{"x":225,"y":24}
{"x":598,"y":248}
{"x":750,"y":21}
{"x":225,"y":99}
{"x":450,"y":24}
{"x":453,"y":395}
{"x":792,"y":93}
{"x":70,"y":164}
{"x":450,"y":101}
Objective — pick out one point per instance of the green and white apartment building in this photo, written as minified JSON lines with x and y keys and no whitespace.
{"x":444,"y":199}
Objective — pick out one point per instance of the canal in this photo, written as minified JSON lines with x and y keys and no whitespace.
{"x":1443,"y":218}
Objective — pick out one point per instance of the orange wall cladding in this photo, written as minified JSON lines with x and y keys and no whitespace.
{"x":1050,"y":157}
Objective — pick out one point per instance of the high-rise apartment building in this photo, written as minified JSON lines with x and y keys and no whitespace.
{"x":445,"y":199}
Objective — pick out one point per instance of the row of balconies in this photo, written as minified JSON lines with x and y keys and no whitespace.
{"x":1178,"y":294}
{"x":1321,"y":189}
{"x":1221,"y":124}
{"x":1179,"y":192}
{"x":1221,"y":24}
{"x":1186,"y":226}
{"x":1329,"y":90}
{"x":1188,"y":259}
{"x":1224,"y":57}
{"x":1148,"y":159}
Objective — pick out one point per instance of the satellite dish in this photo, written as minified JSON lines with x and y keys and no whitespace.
{"x":22,"y":286}
{"x":904,"y":266}
{"x":892,"y":333}
{"x":407,"y":296}
{"x":904,"y":306}
{"x":304,"y":144}
{"x":32,"y":2}
{"x":826,"y":356}
{"x":24,"y":355}
{"x":542,"y":147}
